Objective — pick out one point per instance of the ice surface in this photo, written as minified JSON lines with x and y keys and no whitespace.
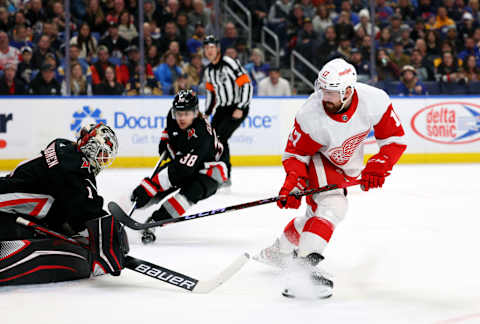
{"x":408,"y":253}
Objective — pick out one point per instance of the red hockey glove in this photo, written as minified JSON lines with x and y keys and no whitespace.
{"x":375,"y":172}
{"x":144,"y":192}
{"x":293,"y":183}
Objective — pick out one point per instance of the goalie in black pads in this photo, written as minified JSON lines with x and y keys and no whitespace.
{"x":197,"y":165}
{"x":57,"y":190}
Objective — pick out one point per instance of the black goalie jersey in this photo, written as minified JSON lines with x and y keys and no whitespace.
{"x":192,"y":151}
{"x":57,"y":189}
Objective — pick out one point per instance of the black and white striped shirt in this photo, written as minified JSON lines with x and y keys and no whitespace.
{"x":227,"y":84}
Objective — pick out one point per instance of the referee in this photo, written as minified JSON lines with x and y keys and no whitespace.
{"x":229,"y":94}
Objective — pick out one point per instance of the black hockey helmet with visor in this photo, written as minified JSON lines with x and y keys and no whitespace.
{"x":185,"y":100}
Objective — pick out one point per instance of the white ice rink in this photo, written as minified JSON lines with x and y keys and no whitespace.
{"x":408,"y":253}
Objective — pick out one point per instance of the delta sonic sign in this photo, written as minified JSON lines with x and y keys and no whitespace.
{"x":452,"y":123}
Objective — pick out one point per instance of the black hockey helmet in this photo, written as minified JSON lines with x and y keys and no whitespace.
{"x":185,"y":100}
{"x":210,"y":39}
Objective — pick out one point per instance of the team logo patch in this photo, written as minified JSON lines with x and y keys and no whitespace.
{"x":448,"y":123}
{"x":85,"y":164}
{"x":191,"y":133}
{"x":341,"y":155}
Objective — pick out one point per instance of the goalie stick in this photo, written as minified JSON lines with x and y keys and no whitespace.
{"x":123,"y":218}
{"x":155,"y":271}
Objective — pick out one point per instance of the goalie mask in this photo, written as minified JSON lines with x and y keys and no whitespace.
{"x":336,"y":76}
{"x":99,"y":144}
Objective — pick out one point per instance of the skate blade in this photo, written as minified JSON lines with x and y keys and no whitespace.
{"x":287,"y":294}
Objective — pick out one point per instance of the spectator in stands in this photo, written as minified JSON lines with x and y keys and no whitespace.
{"x":257,"y":69}
{"x":118,"y":8}
{"x":79,"y":86}
{"x":394,"y":28}
{"x":230,"y":36}
{"x":115,"y":43}
{"x":308,"y":8}
{"x":126,"y":28}
{"x":407,"y":42}
{"x":186,"y":30}
{"x":307,"y":43}
{"x":153,"y":57}
{"x":86,"y":42}
{"x":35,"y":12}
{"x":4,"y":22}
{"x":432,"y":41}
{"x":148,"y":39}
{"x":442,"y":19}
{"x":365,"y":46}
{"x":421,"y":45}
{"x":150,"y":12}
{"x":231,"y":52}
{"x":383,"y":12}
{"x":425,"y":9}
{"x":452,"y":38}
{"x":20,"y":37}
{"x":410,"y":85}
{"x":99,"y":67}
{"x":242,"y":51}
{"x":9,"y":83}
{"x":347,"y":7}
{"x":474,"y":9}
{"x":174,"y":48}
{"x":181,"y":83}
{"x":51,"y":30}
{"x":194,"y":71}
{"x":19,"y":19}
{"x":358,"y":5}
{"x":424,"y":70}
{"x":467,"y":27}
{"x":398,"y":55}
{"x":458,"y":10}
{"x":172,"y":10}
{"x":328,"y":46}
{"x":344,"y":26}
{"x":51,"y":60}
{"x":25,"y":67}
{"x":343,"y":50}
{"x":365,"y":24}
{"x":386,"y":69}
{"x":322,"y":19}
{"x":259,"y":10}
{"x":109,"y":84}
{"x":75,"y":58}
{"x":200,"y":14}
{"x":151,"y":86}
{"x":45,"y":83}
{"x":278,"y":17}
{"x":471,"y":71}
{"x":186,"y":6}
{"x":419,"y":29}
{"x":170,"y":34}
{"x":470,"y":49}
{"x":295,"y":22}
{"x":196,"y":41}
{"x":274,"y":85}
{"x":361,"y":65}
{"x":448,"y":71}
{"x":127,"y":71}
{"x":95,"y":18}
{"x":406,"y":11}
{"x":168,"y":72}
{"x":58,"y":15}
{"x":8,"y":54}
{"x":385,"y":40}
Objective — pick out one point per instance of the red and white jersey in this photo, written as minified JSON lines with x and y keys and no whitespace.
{"x":341,"y":137}
{"x":12,"y":56}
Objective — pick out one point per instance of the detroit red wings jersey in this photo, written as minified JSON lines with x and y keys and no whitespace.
{"x":341,"y":137}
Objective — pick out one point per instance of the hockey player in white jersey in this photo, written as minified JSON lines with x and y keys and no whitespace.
{"x":326,"y":146}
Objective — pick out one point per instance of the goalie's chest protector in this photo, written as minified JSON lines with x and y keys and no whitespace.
{"x":343,"y":136}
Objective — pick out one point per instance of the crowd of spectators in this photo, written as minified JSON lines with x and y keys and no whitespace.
{"x":421,"y":45}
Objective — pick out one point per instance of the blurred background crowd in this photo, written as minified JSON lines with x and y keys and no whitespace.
{"x":413,"y":47}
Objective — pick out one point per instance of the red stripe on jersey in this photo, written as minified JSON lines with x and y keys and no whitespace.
{"x":177,"y":206}
{"x":389,"y":125}
{"x":301,"y":143}
{"x":320,"y":227}
{"x":312,"y":183}
{"x":291,"y":233}
{"x":27,"y":243}
{"x":36,"y":210}
{"x":111,"y":244}
{"x":38,"y":269}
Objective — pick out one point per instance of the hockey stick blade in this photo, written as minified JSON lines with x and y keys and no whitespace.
{"x":155,"y":271}
{"x":123,"y":218}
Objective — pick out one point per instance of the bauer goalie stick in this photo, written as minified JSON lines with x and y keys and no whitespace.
{"x":155,"y":271}
{"x":123,"y":218}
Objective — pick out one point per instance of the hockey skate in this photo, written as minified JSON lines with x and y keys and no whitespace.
{"x":273,"y":256}
{"x":148,"y":235}
{"x":307,"y":280}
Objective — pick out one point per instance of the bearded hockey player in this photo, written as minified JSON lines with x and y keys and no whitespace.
{"x":57,"y":190}
{"x":326,"y":147}
{"x":197,"y":166}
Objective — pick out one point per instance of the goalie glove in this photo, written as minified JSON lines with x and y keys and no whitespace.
{"x":108,"y":244}
{"x":293,"y":183}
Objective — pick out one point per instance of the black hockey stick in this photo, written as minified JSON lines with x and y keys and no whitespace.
{"x":123,"y":218}
{"x":155,"y":271}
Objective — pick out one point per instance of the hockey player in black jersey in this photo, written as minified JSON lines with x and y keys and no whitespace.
{"x":197,"y":166}
{"x":58,"y":190}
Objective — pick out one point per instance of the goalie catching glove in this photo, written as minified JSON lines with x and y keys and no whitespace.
{"x":108,"y":245}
